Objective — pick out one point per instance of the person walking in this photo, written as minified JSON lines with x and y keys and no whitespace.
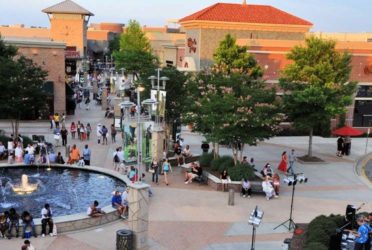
{"x":104,"y":132}
{"x":82,"y":132}
{"x":166,"y":169}
{"x":291,"y":159}
{"x":78,"y":129}
{"x":116,"y":159}
{"x":113,"y":133}
{"x":99,"y":134}
{"x":64,"y":134}
{"x":154,"y":169}
{"x":86,"y":155}
{"x":283,"y":165}
{"x":340,"y":146}
{"x":56,"y":120}
{"x":87,"y":102}
{"x":88,"y":129}
{"x":73,"y":130}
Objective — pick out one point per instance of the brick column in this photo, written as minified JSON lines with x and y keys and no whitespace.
{"x":139,"y":214}
{"x":104,"y":98}
{"x":157,"y":143}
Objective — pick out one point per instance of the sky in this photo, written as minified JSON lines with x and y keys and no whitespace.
{"x":326,"y":15}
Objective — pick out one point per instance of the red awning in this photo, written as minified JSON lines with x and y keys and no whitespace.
{"x":347,"y":131}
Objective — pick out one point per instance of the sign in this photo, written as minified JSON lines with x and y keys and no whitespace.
{"x":69,"y":54}
{"x":191,"y":44}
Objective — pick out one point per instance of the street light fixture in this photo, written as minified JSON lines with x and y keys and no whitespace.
{"x":158,"y":87}
{"x":255,"y":219}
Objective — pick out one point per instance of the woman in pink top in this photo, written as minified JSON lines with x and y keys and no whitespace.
{"x":73,"y":130}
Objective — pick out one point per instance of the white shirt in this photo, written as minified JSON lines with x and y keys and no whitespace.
{"x":98,"y":131}
{"x":124,"y":196}
{"x":89,"y":211}
{"x":44,"y":213}
{"x":18,"y":152}
{"x":2,"y":148}
{"x":121,"y":155}
{"x":30,"y":150}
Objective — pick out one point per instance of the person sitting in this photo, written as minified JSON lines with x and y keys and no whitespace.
{"x":60,"y":159}
{"x":196,"y":171}
{"x":2,"y":151}
{"x":46,"y":219}
{"x":267,"y":171}
{"x":225,"y":179}
{"x":245,"y":160}
{"x":186,"y":152}
{"x":246,"y":188}
{"x":276,"y":184}
{"x":205,"y":147}
{"x":4,"y":223}
{"x":13,"y":222}
{"x":116,"y":203}
{"x":94,"y":211}
{"x":124,"y":202}
{"x":74,"y":154}
{"x":268,"y":188}
{"x":28,"y":221}
{"x":133,"y":174}
{"x":52,"y":157}
{"x":81,"y":162}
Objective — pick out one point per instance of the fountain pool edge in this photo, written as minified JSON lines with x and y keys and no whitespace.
{"x":80,"y":221}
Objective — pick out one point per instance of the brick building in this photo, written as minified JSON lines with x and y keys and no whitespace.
{"x":270,"y":34}
{"x":51,"y":57}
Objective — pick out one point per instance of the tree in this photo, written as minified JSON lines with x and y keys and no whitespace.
{"x":316,"y":84}
{"x":21,"y":82}
{"x":231,"y":104}
{"x":135,"y":54}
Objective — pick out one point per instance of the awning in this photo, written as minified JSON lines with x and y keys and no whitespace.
{"x":347,"y":131}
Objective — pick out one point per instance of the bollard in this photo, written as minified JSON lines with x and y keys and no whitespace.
{"x":124,"y":240}
{"x":231,"y":197}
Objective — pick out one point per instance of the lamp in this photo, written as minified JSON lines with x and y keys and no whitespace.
{"x":255,"y":219}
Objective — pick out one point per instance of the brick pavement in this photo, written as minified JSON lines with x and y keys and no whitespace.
{"x":194,"y":216}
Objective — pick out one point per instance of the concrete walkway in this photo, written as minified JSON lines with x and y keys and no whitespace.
{"x":197,"y":217}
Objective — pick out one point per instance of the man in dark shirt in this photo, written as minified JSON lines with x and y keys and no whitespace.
{"x":196,"y":171}
{"x":13,"y":222}
{"x":28,"y":221}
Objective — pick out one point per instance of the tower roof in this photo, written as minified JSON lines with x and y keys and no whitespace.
{"x":245,"y":13}
{"x":67,"y":7}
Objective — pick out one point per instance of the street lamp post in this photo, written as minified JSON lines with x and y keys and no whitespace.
{"x":158,"y":135}
{"x":157,"y":87}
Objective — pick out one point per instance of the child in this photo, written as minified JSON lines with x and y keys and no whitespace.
{"x":81,"y":162}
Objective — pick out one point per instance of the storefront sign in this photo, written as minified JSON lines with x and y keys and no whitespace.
{"x":72,"y":54}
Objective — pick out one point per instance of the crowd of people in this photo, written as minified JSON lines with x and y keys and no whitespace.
{"x":11,"y":219}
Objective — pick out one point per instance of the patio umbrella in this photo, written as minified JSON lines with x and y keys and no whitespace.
{"x":347,"y":131}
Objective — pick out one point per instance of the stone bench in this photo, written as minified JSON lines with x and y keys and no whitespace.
{"x":216,"y":184}
{"x":74,"y":222}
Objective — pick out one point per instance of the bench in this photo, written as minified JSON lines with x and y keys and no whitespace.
{"x":216,"y":183}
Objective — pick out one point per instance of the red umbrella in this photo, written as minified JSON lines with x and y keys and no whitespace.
{"x":347,"y":131}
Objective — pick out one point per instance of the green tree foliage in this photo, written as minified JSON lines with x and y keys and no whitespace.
{"x":316,"y":84}
{"x":114,"y":44}
{"x":135,"y":53}
{"x":231,"y":104}
{"x":21,"y":84}
{"x":232,"y":58}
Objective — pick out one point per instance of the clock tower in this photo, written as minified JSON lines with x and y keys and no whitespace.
{"x":69,"y":24}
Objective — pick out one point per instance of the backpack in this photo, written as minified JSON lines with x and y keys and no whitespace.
{"x":116,"y":158}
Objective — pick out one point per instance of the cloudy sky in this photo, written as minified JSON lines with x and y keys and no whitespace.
{"x":327,"y":15}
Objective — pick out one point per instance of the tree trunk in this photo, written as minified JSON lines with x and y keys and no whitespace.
{"x":13,"y":128}
{"x":214,"y":150}
{"x":217,"y":152}
{"x":310,"y":151}
{"x":241,"y":153}
{"x":235,"y":152}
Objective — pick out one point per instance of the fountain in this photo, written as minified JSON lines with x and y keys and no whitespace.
{"x":24,"y":187}
{"x":67,"y":189}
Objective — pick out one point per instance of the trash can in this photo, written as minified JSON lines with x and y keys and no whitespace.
{"x":230,"y":201}
{"x":124,"y":239}
{"x":286,"y":244}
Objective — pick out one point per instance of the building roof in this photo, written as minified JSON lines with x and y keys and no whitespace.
{"x":67,"y":7}
{"x":245,"y":13}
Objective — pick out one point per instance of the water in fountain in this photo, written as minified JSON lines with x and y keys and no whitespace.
{"x":24,"y":187}
{"x":67,"y":191}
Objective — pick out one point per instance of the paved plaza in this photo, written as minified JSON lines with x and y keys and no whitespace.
{"x":198,"y":217}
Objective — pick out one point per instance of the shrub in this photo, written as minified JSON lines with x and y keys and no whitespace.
{"x":27,"y":140}
{"x":321,"y":229}
{"x":221,"y":163}
{"x":315,"y":246}
{"x":240,"y":171}
{"x":4,"y":139}
{"x":205,"y":160}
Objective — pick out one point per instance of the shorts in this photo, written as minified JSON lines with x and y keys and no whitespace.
{"x":166,"y":171}
{"x":116,"y":206}
{"x":125,"y":203}
{"x":225,"y":181}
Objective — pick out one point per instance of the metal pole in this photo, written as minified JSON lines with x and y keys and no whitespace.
{"x":139,"y":137}
{"x":157,"y":99}
{"x":368,"y":131}
{"x":253,"y":238}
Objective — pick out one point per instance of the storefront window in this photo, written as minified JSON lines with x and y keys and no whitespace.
{"x":364,"y":91}
{"x":363,"y":113}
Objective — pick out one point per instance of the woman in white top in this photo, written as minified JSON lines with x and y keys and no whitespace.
{"x":18,"y":153}
{"x":268,"y":188}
